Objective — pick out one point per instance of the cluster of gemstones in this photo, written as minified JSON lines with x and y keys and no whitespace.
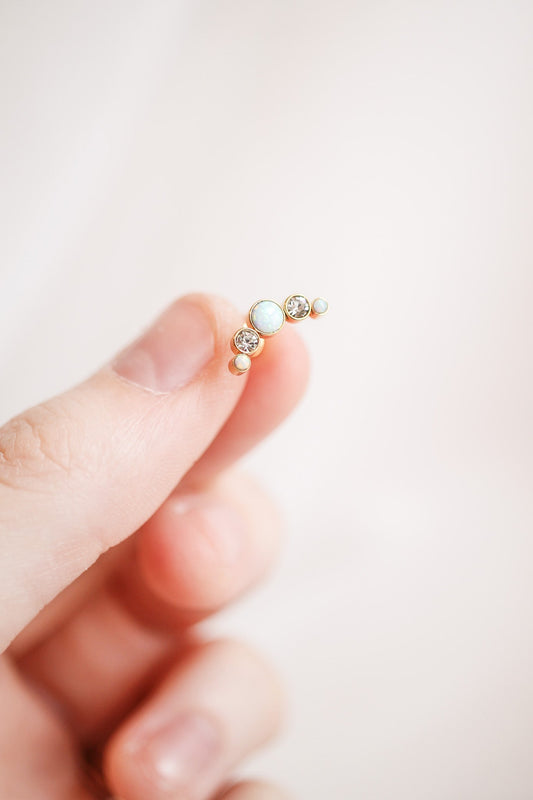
{"x":267,"y":318}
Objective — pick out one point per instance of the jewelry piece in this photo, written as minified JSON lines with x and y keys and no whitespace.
{"x":266,"y":318}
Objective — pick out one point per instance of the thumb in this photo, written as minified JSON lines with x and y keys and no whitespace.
{"x":82,"y":471}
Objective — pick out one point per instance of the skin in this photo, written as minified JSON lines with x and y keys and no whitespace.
{"x":123,"y":523}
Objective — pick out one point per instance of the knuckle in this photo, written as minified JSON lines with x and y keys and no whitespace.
{"x":37,"y":443}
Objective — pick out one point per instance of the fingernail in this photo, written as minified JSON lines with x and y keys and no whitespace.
{"x":181,"y":755}
{"x":172,"y":352}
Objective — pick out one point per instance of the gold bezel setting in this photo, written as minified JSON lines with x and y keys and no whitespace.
{"x":314,"y":312}
{"x":261,"y":331}
{"x":290,"y":317}
{"x":238,"y":347}
{"x":240,"y":364}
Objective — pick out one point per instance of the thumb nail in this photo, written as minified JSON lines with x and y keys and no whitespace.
{"x":172,"y":352}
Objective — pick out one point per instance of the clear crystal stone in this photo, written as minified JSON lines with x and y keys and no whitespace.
{"x":297,"y":306}
{"x":246,"y":340}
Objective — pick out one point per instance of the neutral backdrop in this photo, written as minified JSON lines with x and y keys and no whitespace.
{"x":378,"y":154}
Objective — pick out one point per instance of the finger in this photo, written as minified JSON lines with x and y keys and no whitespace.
{"x":253,"y":790}
{"x":38,"y":758}
{"x":84,"y":470}
{"x":275,"y":385}
{"x":98,"y":664}
{"x":67,"y":603}
{"x":175,"y":563}
{"x":218,"y":706}
{"x":201,"y":550}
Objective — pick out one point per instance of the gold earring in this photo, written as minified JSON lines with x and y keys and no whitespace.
{"x":266,"y":318}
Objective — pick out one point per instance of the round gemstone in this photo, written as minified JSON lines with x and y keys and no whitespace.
{"x":297,"y":306}
{"x":320,"y":306}
{"x":242,"y":362}
{"x":246,"y":340}
{"x":267,"y":317}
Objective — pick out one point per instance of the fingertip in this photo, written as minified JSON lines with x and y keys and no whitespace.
{"x":203,"y":549}
{"x":192,"y":553}
{"x":216,"y":705}
{"x":225,"y":318}
{"x":284,"y":361}
{"x":282,"y":374}
{"x":277,"y":380}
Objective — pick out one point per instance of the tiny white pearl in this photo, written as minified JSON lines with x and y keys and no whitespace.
{"x":242,"y":362}
{"x":320,"y":306}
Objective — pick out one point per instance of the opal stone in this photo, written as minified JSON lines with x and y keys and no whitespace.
{"x":320,"y":306}
{"x":267,"y":317}
{"x":242,"y":362}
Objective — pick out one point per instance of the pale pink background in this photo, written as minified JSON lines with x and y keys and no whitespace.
{"x":380,"y":154}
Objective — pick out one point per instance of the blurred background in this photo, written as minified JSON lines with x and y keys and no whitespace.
{"x":378,"y":154}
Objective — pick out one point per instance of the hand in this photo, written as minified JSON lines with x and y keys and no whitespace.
{"x":120,"y":511}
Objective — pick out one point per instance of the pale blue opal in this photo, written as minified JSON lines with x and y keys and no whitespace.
{"x":267,"y":317}
{"x":320,"y":306}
